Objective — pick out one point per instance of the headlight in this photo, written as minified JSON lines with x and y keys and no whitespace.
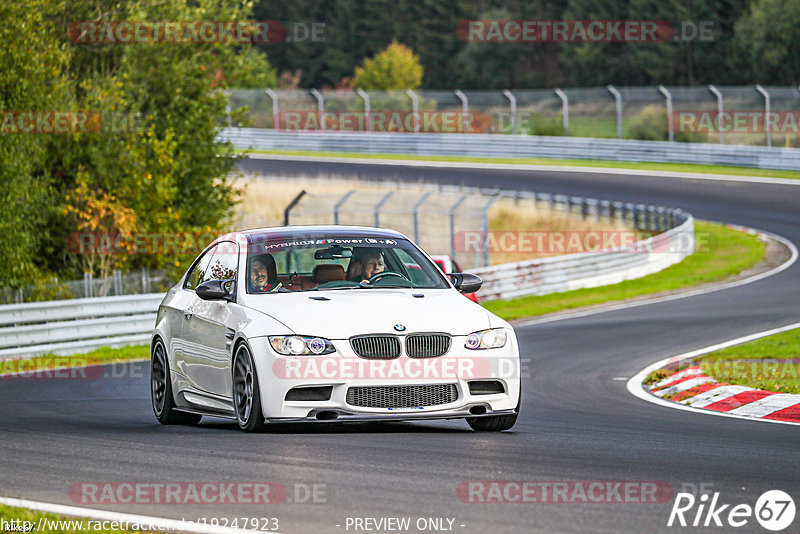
{"x":301,"y":345}
{"x":486,"y":339}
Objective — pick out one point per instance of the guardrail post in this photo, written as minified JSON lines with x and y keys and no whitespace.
{"x":720,"y":121}
{"x":275,"y":111}
{"x":453,"y":225}
{"x":379,"y":205}
{"x":512,"y":103}
{"x":670,"y":123}
{"x":365,"y":97}
{"x":339,"y":204}
{"x":766,"y":112}
{"x":618,"y":104}
{"x":414,"y":108}
{"x":87,"y":285}
{"x":564,"y":109}
{"x":320,"y":107}
{"x":464,"y":110}
{"x":417,"y":206}
{"x":145,"y":280}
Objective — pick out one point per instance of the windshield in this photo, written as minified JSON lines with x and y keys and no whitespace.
{"x":317,"y":263}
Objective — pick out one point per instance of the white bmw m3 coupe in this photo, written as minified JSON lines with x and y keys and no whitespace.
{"x":329,"y":323}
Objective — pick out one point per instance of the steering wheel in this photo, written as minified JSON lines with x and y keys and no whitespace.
{"x":375,"y":277}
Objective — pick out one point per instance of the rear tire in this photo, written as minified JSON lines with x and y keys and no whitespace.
{"x":161,"y":390}
{"x":246,"y":393}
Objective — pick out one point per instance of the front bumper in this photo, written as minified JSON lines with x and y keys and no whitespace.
{"x":494,"y":364}
{"x":320,"y":415}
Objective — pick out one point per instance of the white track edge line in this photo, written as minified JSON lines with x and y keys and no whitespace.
{"x":159,"y":523}
{"x":644,"y":302}
{"x":636,"y":389}
{"x":524,"y":167}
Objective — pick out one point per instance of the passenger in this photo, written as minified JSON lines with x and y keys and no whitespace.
{"x":366,"y":262}
{"x":263,"y":274}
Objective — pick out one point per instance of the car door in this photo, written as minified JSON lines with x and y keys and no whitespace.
{"x":206,"y":333}
{"x":184,"y":300}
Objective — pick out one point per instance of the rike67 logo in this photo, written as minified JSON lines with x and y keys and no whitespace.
{"x":774,"y":510}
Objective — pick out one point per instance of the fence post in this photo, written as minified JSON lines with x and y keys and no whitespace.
{"x":453,"y":225}
{"x":564,"y":109}
{"x":320,"y":107}
{"x":117,"y":282}
{"x":291,"y":205}
{"x":339,"y":205}
{"x":145,"y":281}
{"x":365,"y":97}
{"x":417,"y":206}
{"x":720,"y":121}
{"x":379,"y":205}
{"x":618,"y":103}
{"x":274,"y":96}
{"x":670,"y":123}
{"x":464,"y":109}
{"x":766,"y":112}
{"x":414,"y":108}
{"x":87,"y":285}
{"x":485,"y":228}
{"x":228,"y":108}
{"x":512,"y":102}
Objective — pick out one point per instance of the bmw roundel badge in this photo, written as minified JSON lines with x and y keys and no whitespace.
{"x":399,"y":327}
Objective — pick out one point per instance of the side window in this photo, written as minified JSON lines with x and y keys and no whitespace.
{"x":197,"y":274}
{"x":223,"y":264}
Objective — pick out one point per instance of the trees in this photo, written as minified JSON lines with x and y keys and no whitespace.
{"x":768,"y":38}
{"x":397,"y":67}
{"x":154,"y":150}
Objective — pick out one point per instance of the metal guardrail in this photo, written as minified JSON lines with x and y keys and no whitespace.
{"x":588,"y":269}
{"x":69,"y":326}
{"x":77,"y":325}
{"x":516,"y":146}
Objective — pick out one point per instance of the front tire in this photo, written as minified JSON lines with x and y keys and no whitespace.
{"x":161,"y":390}
{"x":496,"y":423}
{"x":246,"y":393}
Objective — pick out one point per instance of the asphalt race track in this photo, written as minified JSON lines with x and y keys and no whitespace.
{"x":577,"y":423}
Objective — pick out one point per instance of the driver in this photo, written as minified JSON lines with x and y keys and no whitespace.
{"x":366,"y":263}
{"x":263,"y":275}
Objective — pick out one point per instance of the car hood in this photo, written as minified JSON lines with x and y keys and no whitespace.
{"x":368,"y":311}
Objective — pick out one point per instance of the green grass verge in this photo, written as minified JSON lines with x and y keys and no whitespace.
{"x":56,"y":524}
{"x":721,"y":252}
{"x":744,"y":364}
{"x":644,"y":166}
{"x":48,"y":362}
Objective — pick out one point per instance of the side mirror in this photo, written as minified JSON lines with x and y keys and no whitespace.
{"x":214,"y":290}
{"x":466,"y":282}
